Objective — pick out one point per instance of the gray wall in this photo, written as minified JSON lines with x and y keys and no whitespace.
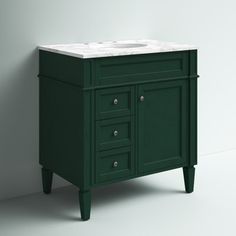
{"x":27,"y":23}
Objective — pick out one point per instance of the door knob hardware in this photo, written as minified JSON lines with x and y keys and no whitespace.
{"x":115,"y":102}
{"x":141,"y":98}
{"x":115,"y":164}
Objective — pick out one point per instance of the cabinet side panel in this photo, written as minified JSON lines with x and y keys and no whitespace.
{"x":193,"y":107}
{"x":88,"y":139}
{"x":63,"y":68}
{"x":61,"y":129}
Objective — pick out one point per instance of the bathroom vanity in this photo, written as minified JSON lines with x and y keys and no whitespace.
{"x":114,"y":111}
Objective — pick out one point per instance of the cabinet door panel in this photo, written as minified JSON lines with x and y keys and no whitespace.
{"x":162,"y":125}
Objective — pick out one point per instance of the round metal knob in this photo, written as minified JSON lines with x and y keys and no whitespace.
{"x":115,"y":102}
{"x":115,"y":164}
{"x":115,"y":133}
{"x":141,"y":98}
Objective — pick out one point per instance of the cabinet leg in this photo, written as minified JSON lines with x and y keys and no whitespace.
{"x":85,"y":204}
{"x":47,"y":180}
{"x":189,"y":173}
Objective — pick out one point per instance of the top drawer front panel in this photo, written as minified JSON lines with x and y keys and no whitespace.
{"x":125,"y":69}
{"x":114,"y":102}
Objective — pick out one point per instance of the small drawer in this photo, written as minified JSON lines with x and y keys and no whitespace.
{"x":114,"y":133}
{"x":114,"y":164}
{"x":113,"y":102}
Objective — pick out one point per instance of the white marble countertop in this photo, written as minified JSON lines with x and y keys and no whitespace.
{"x":115,"y":48}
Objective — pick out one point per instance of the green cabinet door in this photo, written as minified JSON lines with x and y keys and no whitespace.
{"x":162,"y":125}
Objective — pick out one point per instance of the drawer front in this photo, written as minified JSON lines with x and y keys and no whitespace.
{"x":126,"y":69}
{"x":114,"y":164}
{"x":113,"y":102}
{"x":114,"y":133}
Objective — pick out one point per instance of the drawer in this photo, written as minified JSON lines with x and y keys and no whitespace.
{"x":114,"y":133}
{"x":134,"y":68}
{"x":114,"y":164}
{"x":113,"y":102}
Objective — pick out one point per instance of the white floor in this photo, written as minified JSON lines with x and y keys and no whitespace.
{"x":152,"y":205}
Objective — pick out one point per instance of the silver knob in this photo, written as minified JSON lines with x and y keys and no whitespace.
{"x":115,"y":102}
{"x":141,"y":98}
{"x":115,"y":133}
{"x":115,"y":164}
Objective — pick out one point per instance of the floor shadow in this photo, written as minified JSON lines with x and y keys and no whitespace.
{"x":62,"y":204}
{"x":126,"y":190}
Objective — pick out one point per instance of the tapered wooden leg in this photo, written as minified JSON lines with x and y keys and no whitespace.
{"x":189,"y":173}
{"x":85,"y":204}
{"x":47,"y":180}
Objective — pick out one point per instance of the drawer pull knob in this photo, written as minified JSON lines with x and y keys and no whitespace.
{"x":115,"y":133}
{"x":115,"y":164}
{"x":115,"y":102}
{"x":141,"y":98}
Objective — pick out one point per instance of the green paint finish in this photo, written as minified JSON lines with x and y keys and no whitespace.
{"x":136,"y":68}
{"x":193,"y":108}
{"x":189,"y":173}
{"x":113,"y":133}
{"x":113,"y":164}
{"x":162,"y":125}
{"x":62,"y":129}
{"x":47,"y":180}
{"x":105,"y":120}
{"x":62,"y":68}
{"x":85,"y":204}
{"x":114,"y":102}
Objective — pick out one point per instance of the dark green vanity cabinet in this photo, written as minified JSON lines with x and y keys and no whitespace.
{"x":109,"y":119}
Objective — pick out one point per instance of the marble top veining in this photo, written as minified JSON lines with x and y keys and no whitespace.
{"x":109,"y":48}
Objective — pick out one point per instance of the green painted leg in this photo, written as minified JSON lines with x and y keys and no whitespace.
{"x":47,"y":180}
{"x":189,"y":173}
{"x":85,"y":204}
